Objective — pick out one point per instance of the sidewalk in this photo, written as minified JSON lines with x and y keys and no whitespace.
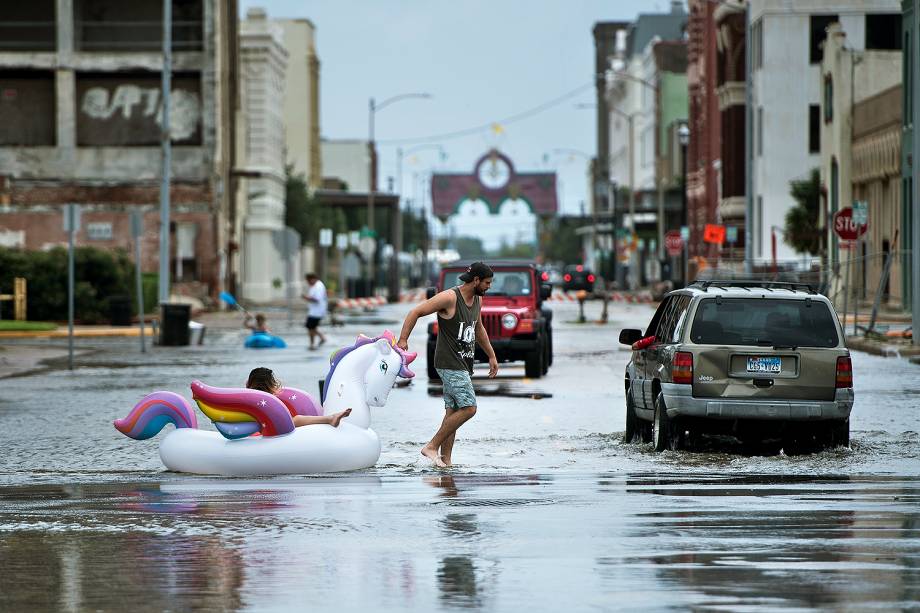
{"x":81,"y":331}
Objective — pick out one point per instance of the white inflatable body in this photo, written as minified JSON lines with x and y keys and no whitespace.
{"x":360,"y":377}
{"x":318,"y":448}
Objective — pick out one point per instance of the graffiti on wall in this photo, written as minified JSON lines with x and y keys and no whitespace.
{"x":130,"y":112}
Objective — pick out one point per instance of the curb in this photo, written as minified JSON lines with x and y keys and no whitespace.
{"x":884,"y":350}
{"x":81,"y":332}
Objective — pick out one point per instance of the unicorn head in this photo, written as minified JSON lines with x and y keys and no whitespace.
{"x":368,"y":368}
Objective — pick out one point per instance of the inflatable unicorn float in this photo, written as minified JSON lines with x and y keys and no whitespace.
{"x":255,"y":430}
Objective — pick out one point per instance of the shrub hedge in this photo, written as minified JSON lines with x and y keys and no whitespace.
{"x":99,"y":276}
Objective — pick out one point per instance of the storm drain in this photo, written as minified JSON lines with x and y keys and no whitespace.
{"x":499,"y":502}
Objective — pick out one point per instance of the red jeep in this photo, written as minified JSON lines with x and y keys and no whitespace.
{"x":519,"y":326}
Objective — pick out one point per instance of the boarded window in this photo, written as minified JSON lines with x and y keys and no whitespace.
{"x":27,"y":108}
{"x":814,"y":128}
{"x":819,"y":24}
{"x":883,"y":31}
{"x":125,"y":110}
{"x":116,"y":25}
{"x":27,"y":26}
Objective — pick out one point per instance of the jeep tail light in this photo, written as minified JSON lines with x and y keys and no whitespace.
{"x":844,"y":372}
{"x":590,"y":278}
{"x":682,"y":367}
{"x":567,"y":277}
{"x":545,"y":276}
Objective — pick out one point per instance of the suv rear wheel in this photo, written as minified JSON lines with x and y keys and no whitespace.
{"x":666,"y":432}
{"x":840,"y":434}
{"x":637,"y":430}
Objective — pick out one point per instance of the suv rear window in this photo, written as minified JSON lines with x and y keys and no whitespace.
{"x":505,"y":283}
{"x":758,"y":321}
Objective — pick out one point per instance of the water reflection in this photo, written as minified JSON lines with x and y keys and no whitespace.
{"x":94,"y":571}
{"x":767,"y":542}
{"x":458,"y":583}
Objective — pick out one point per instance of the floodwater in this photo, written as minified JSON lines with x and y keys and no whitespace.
{"x":545,"y":510}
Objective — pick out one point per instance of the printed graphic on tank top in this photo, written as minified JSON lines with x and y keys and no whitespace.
{"x":456,"y":344}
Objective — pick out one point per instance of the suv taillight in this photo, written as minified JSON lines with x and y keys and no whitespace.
{"x":567,"y":277}
{"x":682,"y":367}
{"x":844,"y":372}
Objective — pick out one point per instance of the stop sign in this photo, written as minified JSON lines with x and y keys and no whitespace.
{"x":846,"y":227}
{"x":674,"y":243}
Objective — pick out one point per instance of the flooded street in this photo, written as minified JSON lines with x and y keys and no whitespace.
{"x":546,"y":509}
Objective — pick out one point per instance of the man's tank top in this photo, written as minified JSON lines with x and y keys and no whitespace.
{"x":456,"y":344}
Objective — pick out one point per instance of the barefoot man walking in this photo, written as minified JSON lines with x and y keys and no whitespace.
{"x":459,"y":329}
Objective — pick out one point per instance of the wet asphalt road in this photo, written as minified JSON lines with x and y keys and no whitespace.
{"x":546,"y":510}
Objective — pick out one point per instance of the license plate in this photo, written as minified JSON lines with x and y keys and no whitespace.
{"x":767,"y":365}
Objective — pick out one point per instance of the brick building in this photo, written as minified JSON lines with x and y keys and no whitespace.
{"x":703,"y":150}
{"x":81,"y":113}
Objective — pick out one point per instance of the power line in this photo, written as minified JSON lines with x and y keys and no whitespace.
{"x":508,"y":120}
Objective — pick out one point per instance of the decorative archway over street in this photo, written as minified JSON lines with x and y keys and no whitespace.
{"x":494,"y":181}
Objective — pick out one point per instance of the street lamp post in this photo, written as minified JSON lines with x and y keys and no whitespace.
{"x":373,"y":107}
{"x":398,"y":239}
{"x":683,"y":135}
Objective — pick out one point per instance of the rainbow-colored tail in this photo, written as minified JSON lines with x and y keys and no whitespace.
{"x":153,"y":412}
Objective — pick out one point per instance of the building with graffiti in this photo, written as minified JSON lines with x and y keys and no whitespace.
{"x":82,"y":115}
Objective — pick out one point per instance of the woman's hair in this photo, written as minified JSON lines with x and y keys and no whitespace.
{"x":263,"y":379}
{"x":261,"y":319}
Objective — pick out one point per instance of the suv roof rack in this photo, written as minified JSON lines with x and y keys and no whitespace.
{"x":745,"y":284}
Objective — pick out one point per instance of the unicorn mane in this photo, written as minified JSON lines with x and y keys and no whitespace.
{"x":336,"y":358}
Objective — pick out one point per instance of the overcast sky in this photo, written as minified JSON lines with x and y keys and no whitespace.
{"x":481,"y":60}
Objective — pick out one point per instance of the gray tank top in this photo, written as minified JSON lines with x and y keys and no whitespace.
{"x":456,"y":344}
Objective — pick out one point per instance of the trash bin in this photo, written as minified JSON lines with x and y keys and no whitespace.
{"x":120,"y":310}
{"x":174,"y":320}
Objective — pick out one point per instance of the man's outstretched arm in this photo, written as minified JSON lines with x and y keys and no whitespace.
{"x":439,"y":302}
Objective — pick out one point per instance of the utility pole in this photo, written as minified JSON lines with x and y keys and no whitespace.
{"x":748,"y":148}
{"x":630,"y":277}
{"x":166,"y":151}
{"x":915,"y":183}
{"x":370,"y":191}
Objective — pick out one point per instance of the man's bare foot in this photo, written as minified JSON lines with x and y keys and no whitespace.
{"x":337,"y":417}
{"x":446,"y":460}
{"x":432,"y":454}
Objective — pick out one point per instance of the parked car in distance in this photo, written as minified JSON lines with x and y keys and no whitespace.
{"x":761,"y":361}
{"x":513,"y":313}
{"x":578,"y":277}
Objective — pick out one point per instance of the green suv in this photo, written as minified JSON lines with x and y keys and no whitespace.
{"x":755,"y":360}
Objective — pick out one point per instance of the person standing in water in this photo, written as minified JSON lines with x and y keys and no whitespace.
{"x":459,"y":329}
{"x":316,"y":309}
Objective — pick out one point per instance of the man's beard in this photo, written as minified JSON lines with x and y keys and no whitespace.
{"x":479,"y":291}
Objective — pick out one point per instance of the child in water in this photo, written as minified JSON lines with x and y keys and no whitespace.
{"x":259,"y":327}
{"x":263,"y":379}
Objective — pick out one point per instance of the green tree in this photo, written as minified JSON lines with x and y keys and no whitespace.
{"x":519,"y":250}
{"x":469,"y":247}
{"x":561,"y":243}
{"x":802,"y":230}
{"x":304,"y":213}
